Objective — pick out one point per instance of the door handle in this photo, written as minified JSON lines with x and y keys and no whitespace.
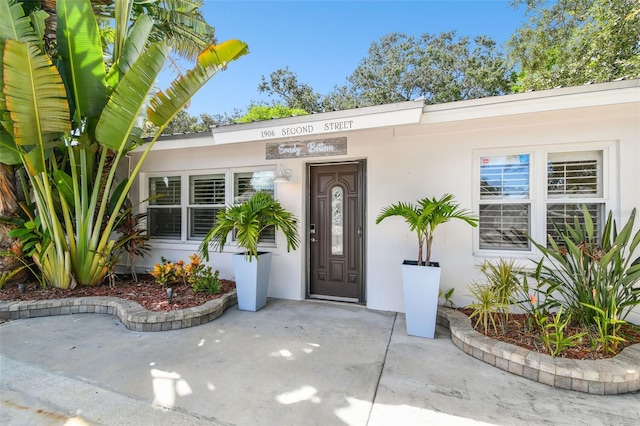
{"x":313,"y":240}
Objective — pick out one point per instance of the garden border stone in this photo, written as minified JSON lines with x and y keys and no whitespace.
{"x":611,"y":376}
{"x":617,"y":375}
{"x":130,"y":313}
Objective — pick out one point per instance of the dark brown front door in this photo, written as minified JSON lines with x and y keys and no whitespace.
{"x":336,"y":231}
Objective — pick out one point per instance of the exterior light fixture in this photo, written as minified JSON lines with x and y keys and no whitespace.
{"x":169,"y":294}
{"x":283,"y":176}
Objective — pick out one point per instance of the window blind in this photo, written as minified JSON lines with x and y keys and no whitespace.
{"x":207,"y":195}
{"x":574,"y":175}
{"x":558,"y":215}
{"x":164,"y":212}
{"x":504,"y":177}
{"x":209,"y":189}
{"x":504,"y":226}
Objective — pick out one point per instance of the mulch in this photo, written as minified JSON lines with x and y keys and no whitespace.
{"x":145,"y":291}
{"x":515,"y":331}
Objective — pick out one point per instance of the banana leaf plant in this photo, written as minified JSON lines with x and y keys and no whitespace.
{"x":69,"y":119}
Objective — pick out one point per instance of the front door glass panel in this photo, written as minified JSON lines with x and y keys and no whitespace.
{"x":337,"y":211}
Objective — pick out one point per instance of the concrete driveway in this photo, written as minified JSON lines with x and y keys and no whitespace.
{"x":291,"y":363}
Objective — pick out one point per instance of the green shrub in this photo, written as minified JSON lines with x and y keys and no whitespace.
{"x":206,"y":281}
{"x":487,"y":307}
{"x":592,"y":277}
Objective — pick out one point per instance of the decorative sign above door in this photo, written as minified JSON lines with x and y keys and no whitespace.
{"x":312,"y":148}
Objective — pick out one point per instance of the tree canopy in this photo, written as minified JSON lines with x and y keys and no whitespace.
{"x":439,"y":68}
{"x":264,"y":112}
{"x":560,"y":43}
{"x":572,"y":42}
{"x":284,"y":87}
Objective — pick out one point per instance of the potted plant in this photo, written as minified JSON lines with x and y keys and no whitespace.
{"x":421,"y":277}
{"x":251,"y":267}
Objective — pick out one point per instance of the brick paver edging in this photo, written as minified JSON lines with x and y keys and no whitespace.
{"x":617,"y":375}
{"x":130,"y":313}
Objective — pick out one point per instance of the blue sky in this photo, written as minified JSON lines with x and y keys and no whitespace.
{"x":322,"y":42}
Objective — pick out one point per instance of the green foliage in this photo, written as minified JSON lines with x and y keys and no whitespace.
{"x":487,"y":305}
{"x":180,"y":23}
{"x":284,"y":86}
{"x":166,"y":272}
{"x":592,"y":277}
{"x":200,"y":277}
{"x":504,"y":278}
{"x":447,"y":297}
{"x":586,"y":269}
{"x":494,"y":297}
{"x":183,"y":122}
{"x":207,"y":282}
{"x":553,"y":333}
{"x":569,"y":43}
{"x":607,"y":328}
{"x":132,"y":239}
{"x":439,"y":68}
{"x":71,"y":123}
{"x":7,"y":276}
{"x":29,"y":233}
{"x":262,"y":112}
{"x":425,"y":216}
{"x":249,"y":220}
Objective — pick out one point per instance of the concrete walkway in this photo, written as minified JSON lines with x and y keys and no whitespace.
{"x":292,"y":363}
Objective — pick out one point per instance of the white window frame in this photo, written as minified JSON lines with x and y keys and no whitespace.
{"x":538,"y":197}
{"x":185,"y":200}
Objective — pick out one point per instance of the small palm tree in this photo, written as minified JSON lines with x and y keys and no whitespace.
{"x":249,"y":220}
{"x":424,"y":217}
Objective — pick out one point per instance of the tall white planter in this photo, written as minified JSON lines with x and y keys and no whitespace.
{"x":252,"y":281}
{"x":421,"y":286}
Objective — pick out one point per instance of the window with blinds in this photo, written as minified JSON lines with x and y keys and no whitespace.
{"x":245,"y":184}
{"x":574,"y":179}
{"x":207,"y":195}
{"x":164,"y":210}
{"x":512,"y":209}
{"x":185,"y":206}
{"x":504,"y":210}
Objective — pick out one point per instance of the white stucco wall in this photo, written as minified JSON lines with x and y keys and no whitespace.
{"x":286,"y":273}
{"x":438,"y":159}
{"x":408,"y":162}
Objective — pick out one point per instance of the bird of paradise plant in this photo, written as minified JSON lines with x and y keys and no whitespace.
{"x":78,"y":106}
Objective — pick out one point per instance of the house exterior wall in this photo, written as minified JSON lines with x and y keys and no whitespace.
{"x":439,"y":155}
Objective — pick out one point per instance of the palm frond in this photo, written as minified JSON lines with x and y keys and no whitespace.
{"x":165,"y":106}
{"x":181,"y":24}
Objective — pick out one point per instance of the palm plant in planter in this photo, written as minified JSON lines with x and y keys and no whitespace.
{"x":249,"y":220}
{"x":421,"y":277}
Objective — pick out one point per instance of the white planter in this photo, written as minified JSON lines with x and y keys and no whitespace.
{"x":252,"y":281}
{"x":421,"y":285}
